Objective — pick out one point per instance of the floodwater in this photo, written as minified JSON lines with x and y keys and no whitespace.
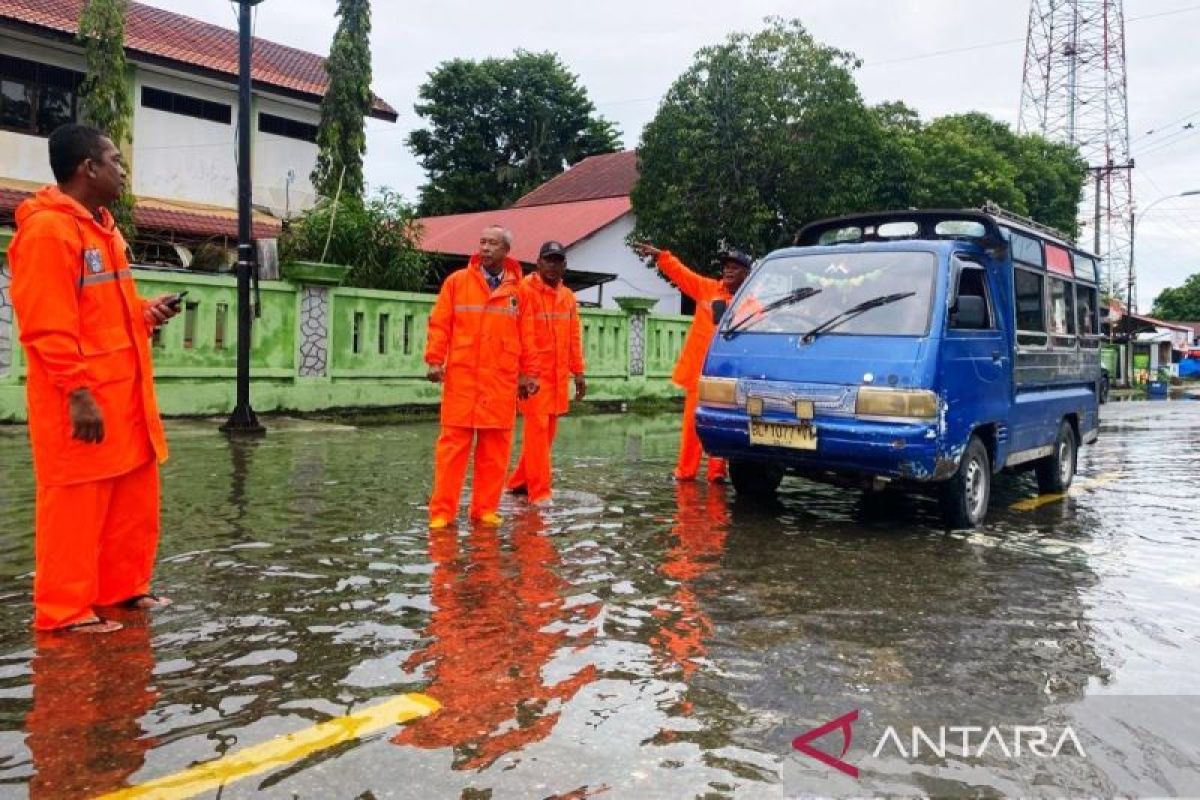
{"x":638,"y":640}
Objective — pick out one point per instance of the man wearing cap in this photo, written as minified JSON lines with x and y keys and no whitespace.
{"x":558,"y":341}
{"x":735,"y":266}
{"x":480,"y":348}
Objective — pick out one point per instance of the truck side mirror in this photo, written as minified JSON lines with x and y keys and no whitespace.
{"x":719,"y":307}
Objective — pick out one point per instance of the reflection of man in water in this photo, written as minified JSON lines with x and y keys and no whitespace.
{"x":491,"y":637}
{"x":88,"y":696}
{"x":701,"y":524}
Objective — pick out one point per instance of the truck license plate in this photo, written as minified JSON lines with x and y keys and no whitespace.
{"x":780,"y":434}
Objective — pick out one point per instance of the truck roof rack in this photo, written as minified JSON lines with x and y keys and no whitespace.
{"x":999,"y":212}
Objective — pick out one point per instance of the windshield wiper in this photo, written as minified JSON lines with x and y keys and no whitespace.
{"x":852,"y":312}
{"x":792,"y":297}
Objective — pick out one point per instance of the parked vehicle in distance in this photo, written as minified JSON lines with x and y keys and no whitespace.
{"x":918,"y":350}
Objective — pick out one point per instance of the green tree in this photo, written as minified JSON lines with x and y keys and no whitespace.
{"x":500,"y":127}
{"x":1181,"y":303}
{"x":767,"y":131}
{"x":971,"y":158}
{"x":377,"y":239}
{"x":342,"y":134}
{"x":105,"y":101}
{"x":760,"y":134}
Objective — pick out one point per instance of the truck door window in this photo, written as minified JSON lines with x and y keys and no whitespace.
{"x":972,"y":282}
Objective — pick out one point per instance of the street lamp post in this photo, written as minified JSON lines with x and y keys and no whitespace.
{"x":1129,"y":310}
{"x":243,"y":419}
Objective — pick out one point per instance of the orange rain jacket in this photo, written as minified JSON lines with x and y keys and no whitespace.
{"x":704,"y":291}
{"x":558,"y":340}
{"x":484,"y":341}
{"x":82,"y":324}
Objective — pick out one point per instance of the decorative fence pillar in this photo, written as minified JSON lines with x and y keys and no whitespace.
{"x":314,"y":281}
{"x":637,"y":308}
{"x":6,"y":310}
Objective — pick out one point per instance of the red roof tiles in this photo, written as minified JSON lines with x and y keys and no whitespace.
{"x":611,"y":175}
{"x":164,"y":34}
{"x":569,"y":223}
{"x":153,"y":215}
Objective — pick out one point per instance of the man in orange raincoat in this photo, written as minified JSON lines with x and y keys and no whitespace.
{"x":559,"y":341}
{"x":93,"y":416}
{"x":481,"y":349}
{"x":735,"y":267}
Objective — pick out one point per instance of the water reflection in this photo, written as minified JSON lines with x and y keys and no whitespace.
{"x":698,"y":539}
{"x":500,"y":618}
{"x":89,"y":694}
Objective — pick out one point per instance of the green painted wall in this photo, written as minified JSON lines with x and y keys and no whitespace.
{"x":376,"y":342}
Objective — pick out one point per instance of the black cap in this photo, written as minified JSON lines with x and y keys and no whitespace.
{"x":737,"y":257}
{"x":552,"y":248}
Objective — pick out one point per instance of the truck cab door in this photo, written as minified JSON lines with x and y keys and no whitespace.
{"x":976,"y":358}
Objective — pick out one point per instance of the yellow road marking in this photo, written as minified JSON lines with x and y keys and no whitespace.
{"x":1031,"y":503}
{"x":277,"y":752}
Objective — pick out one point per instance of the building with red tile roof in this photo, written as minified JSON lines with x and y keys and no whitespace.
{"x":184,"y":85}
{"x":587,"y":210}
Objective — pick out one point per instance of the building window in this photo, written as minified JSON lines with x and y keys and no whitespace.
{"x":357,"y":332}
{"x":185,"y":105}
{"x":36,"y":98}
{"x":408,"y":334}
{"x":291,"y":128}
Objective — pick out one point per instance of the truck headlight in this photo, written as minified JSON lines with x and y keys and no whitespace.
{"x":718,"y":391}
{"x":874,"y":401}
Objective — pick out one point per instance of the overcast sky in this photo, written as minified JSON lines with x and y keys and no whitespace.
{"x":627,"y":54}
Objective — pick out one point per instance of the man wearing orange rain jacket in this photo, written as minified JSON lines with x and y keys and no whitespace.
{"x":735,"y":266}
{"x":481,"y":348}
{"x":93,"y":416}
{"x":559,"y":342}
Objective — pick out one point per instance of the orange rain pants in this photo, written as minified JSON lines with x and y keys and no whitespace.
{"x":83,"y":325}
{"x":558,"y":337}
{"x":483,"y":338}
{"x":95,"y":545}
{"x":536,"y":465}
{"x":691,"y":361}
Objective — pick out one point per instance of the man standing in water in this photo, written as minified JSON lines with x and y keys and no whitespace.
{"x":481,"y":349}
{"x":735,"y":267}
{"x":93,"y":416}
{"x":559,"y":341}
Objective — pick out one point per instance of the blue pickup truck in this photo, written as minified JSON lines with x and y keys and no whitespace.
{"x":913,"y":350}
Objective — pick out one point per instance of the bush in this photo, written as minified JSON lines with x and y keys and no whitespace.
{"x":377,"y":239}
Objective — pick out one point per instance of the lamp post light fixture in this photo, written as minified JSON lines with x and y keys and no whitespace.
{"x":243,"y":419}
{"x":1129,"y":310}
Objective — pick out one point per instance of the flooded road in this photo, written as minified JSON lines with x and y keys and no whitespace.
{"x":641,"y":639}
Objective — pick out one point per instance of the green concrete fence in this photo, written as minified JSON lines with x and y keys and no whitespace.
{"x":320,"y":346}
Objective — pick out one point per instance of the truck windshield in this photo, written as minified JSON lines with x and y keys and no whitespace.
{"x":845,"y":280}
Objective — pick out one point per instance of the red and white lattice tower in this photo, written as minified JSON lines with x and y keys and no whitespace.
{"x":1074,"y":91}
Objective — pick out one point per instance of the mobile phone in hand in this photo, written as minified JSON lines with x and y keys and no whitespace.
{"x":175,"y":301}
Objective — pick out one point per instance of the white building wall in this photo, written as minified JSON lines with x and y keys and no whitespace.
{"x":24,"y":157}
{"x":275,"y":155}
{"x":606,"y":251}
{"x":178,"y":157}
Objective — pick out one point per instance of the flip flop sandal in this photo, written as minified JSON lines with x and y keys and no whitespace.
{"x":138,"y":602}
{"x":97,"y":625}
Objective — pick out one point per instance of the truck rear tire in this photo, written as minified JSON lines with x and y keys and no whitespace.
{"x":964,"y":498}
{"x":1056,"y":471}
{"x":755,"y":478}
